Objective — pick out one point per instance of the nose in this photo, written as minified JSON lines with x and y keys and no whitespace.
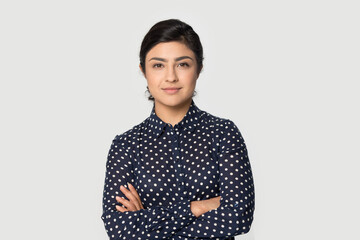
{"x":171,"y":75}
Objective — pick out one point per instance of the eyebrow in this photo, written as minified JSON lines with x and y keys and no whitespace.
{"x":176,"y":59}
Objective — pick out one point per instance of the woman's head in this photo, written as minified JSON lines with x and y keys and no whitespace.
{"x":171,"y":55}
{"x":171,"y":30}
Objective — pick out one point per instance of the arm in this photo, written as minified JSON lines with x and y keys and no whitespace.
{"x":235,"y":213}
{"x":152,"y":223}
{"x":134,"y":202}
{"x":202,"y":206}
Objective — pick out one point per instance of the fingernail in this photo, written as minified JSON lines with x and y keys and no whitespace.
{"x":128,"y":184}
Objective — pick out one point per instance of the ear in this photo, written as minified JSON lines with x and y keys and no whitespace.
{"x":200,"y":70}
{"x":141,"y":70}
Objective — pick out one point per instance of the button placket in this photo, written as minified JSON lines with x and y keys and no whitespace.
{"x":174,"y":135}
{"x":176,"y":151}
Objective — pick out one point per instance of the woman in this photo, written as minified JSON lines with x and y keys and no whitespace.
{"x":182,"y":173}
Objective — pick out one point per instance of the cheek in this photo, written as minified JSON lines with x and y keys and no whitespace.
{"x":153,"y":78}
{"x":189,"y":77}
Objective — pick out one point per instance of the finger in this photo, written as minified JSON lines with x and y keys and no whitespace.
{"x":131,"y":195}
{"x":127,"y":203}
{"x":135,"y":193}
{"x":121,"y":200}
{"x":129,"y":206}
{"x":132,"y":204}
{"x":121,"y":209}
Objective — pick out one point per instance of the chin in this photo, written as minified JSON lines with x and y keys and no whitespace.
{"x":173,"y":102}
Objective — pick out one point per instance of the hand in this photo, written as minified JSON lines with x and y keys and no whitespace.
{"x":134,"y":202}
{"x":200,"y":207}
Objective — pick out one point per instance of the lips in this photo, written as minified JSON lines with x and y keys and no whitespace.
{"x":171,"y":90}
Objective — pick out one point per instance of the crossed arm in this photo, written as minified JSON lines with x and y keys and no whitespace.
{"x":134,"y":202}
{"x":232,"y":213}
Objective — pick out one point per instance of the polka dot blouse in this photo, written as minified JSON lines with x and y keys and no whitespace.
{"x":201,"y":157}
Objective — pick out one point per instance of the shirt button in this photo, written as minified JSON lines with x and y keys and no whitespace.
{"x":236,"y":205}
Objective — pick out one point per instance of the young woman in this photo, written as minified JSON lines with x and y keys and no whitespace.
{"x":182,"y":173}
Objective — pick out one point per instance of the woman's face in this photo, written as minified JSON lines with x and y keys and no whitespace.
{"x":171,"y":65}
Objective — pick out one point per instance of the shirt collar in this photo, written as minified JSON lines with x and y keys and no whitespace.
{"x":189,"y":121}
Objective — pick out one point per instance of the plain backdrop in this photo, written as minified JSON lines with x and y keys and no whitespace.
{"x":286,"y":72}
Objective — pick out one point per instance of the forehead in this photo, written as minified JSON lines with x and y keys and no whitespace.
{"x":170,"y":50}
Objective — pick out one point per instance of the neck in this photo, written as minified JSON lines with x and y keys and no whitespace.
{"x":172,"y":114}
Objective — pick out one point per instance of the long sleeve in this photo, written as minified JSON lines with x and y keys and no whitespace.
{"x":157,"y":222}
{"x":234,"y":216}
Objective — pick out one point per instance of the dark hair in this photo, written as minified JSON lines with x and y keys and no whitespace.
{"x":171,"y":30}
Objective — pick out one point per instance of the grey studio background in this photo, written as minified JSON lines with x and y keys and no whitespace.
{"x":286,"y":72}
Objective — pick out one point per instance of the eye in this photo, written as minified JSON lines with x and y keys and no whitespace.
{"x":157,"y":65}
{"x":184,"y":64}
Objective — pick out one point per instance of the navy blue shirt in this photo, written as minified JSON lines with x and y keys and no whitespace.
{"x":201,"y":157}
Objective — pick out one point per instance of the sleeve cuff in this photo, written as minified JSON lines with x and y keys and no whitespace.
{"x":179,"y":212}
{"x":183,"y":210}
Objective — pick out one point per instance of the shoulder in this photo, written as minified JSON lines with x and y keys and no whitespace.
{"x":219,"y":124}
{"x":127,"y":138}
{"x":226,"y":133}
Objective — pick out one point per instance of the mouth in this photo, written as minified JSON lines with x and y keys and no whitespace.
{"x":171,"y":90}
